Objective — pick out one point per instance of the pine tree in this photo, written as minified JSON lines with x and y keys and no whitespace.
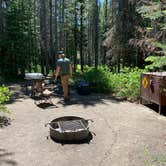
{"x":96,"y":31}
{"x":19,"y":38}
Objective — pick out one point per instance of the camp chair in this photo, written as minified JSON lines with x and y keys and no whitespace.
{"x":41,"y":93}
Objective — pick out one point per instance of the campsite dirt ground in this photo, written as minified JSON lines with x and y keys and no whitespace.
{"x":124,"y":134}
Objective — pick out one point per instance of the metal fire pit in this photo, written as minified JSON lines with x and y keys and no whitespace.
{"x":69,"y":128}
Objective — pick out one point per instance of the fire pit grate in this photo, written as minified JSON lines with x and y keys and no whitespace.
{"x":73,"y":125}
{"x":69,"y":128}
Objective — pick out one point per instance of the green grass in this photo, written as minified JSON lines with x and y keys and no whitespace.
{"x":154,"y":160}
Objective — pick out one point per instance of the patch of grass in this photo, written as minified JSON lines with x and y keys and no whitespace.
{"x":154,"y":160}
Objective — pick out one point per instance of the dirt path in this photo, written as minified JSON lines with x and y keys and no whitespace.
{"x":124,"y":134}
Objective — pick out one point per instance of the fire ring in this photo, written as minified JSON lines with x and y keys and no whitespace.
{"x":69,"y":128}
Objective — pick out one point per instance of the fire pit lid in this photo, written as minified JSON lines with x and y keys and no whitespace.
{"x":71,"y":126}
{"x":31,"y":76}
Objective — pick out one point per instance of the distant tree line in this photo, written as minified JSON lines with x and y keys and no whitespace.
{"x":116,"y":33}
{"x":33,"y":31}
{"x":138,"y":30}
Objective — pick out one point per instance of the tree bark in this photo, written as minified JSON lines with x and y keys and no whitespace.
{"x":96,"y":20}
{"x":105,"y":29}
{"x":51,"y":37}
{"x":1,"y":32}
{"x":43,"y":33}
{"x":61,"y":19}
{"x":89,"y":40}
{"x":1,"y":18}
{"x":56,"y":35}
{"x":81,"y":37}
{"x":75,"y":36}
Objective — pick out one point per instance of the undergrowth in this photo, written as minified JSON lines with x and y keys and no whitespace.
{"x":125,"y":85}
{"x":4,"y":97}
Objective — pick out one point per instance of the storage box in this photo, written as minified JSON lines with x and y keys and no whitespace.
{"x":153,"y":88}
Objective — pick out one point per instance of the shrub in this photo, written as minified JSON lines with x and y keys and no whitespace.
{"x":127,"y":84}
{"x":4,"y":97}
{"x":157,"y":63}
{"x":100,"y":79}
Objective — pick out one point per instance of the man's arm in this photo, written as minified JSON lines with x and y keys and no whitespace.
{"x":70,"y":70}
{"x":57,"y":72}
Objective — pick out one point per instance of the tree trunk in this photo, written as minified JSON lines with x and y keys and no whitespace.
{"x":63,"y":25}
{"x":43,"y":33}
{"x":75,"y":36}
{"x":1,"y":32}
{"x":1,"y":18}
{"x":96,"y":20}
{"x":51,"y":37}
{"x":105,"y":28}
{"x":61,"y":19}
{"x":56,"y":35}
{"x":89,"y":40}
{"x":81,"y":37}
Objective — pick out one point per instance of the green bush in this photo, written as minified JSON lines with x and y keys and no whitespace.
{"x":100,"y":79}
{"x":125,"y":84}
{"x":157,"y":63}
{"x":4,"y":97}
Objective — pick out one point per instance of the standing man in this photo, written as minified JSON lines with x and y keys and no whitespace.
{"x":64,"y":69}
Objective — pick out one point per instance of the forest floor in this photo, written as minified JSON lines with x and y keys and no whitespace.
{"x":124,"y":133}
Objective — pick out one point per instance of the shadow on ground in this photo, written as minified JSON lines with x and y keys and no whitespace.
{"x":84,"y":141}
{"x":19,"y":93}
{"x":4,"y":121}
{"x":155,"y":108}
{"x":88,"y":100}
{"x":46,"y":105}
{"x":3,"y":158}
